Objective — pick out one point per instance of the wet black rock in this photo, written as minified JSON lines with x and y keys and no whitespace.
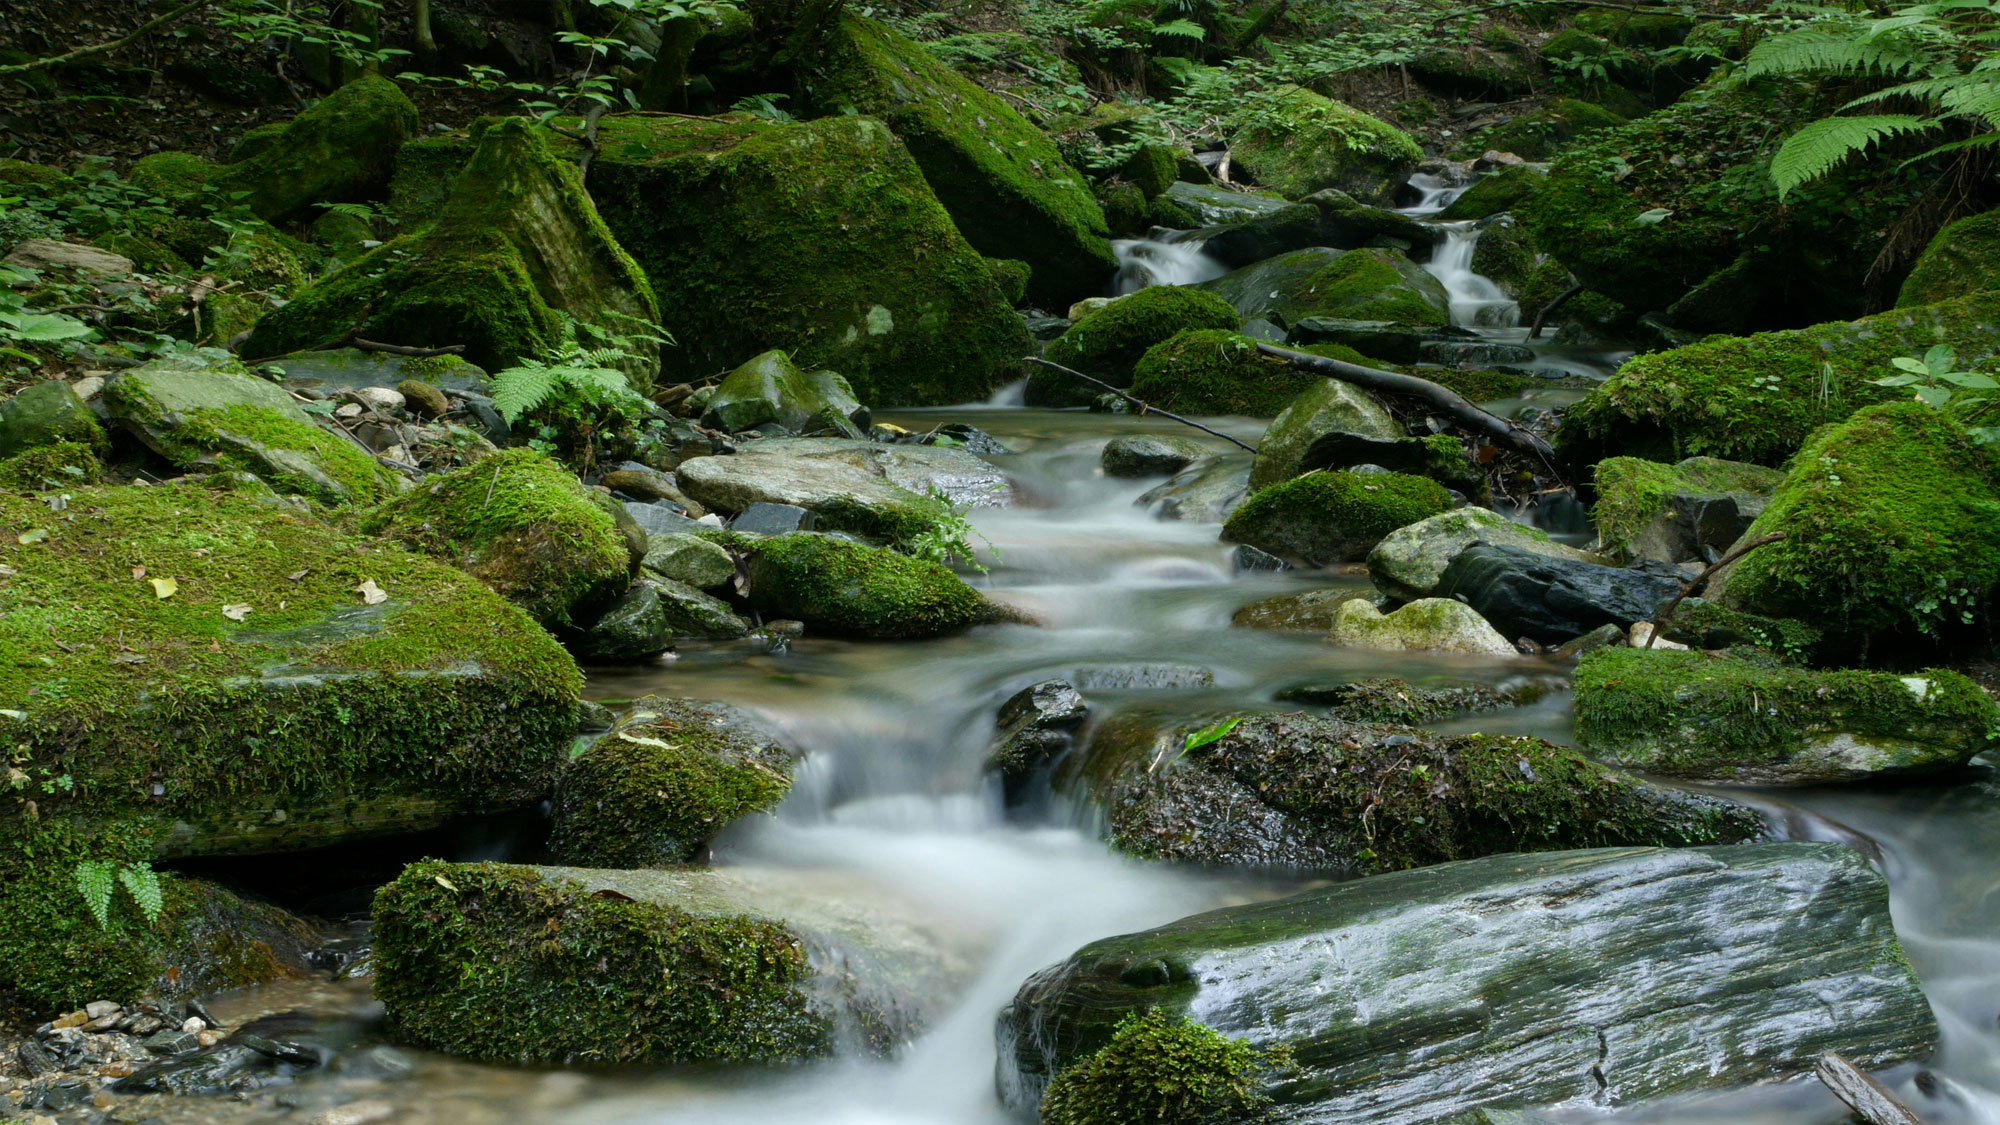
{"x":1036,"y":728}
{"x":1551,"y":599}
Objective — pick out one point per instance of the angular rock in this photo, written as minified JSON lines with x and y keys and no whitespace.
{"x":1592,"y":978}
{"x":850,"y":589}
{"x":1213,"y":204}
{"x":770,"y":388}
{"x":1427,"y":625}
{"x":865,"y":487}
{"x":1036,"y":727}
{"x":1329,"y":406}
{"x":1323,"y":518}
{"x":689,"y":558}
{"x":696,"y":616}
{"x":47,"y":413}
{"x":1204,"y":492}
{"x":1256,"y":289}
{"x":632,"y":628}
{"x":1527,"y":594}
{"x":1410,"y":561}
{"x":339,"y":151}
{"x":651,"y":485}
{"x":42,"y":254}
{"x":764,"y":518}
{"x":1147,"y":455}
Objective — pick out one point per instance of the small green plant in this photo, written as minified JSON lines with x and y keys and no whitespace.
{"x":764,"y":106}
{"x":1933,"y":377}
{"x":948,"y":538}
{"x":23,"y":325}
{"x":99,"y":880}
{"x":1159,"y":1069}
{"x":577,"y":395}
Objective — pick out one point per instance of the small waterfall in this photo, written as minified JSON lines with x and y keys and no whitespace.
{"x":1434,"y":193}
{"x":1169,"y":257}
{"x":1475,"y":301}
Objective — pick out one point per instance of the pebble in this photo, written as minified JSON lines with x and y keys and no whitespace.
{"x":73,"y":1019}
{"x":379,"y":399}
{"x":98,"y":1009}
{"x":208,"y":1038}
{"x":193,"y":1024}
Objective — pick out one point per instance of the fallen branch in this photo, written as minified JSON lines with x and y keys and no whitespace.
{"x":399,"y":349}
{"x":102,"y":48}
{"x":1140,"y":403}
{"x":1562,"y":299}
{"x":1444,"y":399}
{"x":1660,"y":622}
{"x":1862,"y":1093}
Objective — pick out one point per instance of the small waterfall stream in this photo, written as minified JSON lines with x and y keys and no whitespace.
{"x":1476,"y":302}
{"x":1167,"y":257}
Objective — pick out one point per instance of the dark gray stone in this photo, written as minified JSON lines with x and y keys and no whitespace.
{"x":634,"y":628}
{"x":661,"y":519}
{"x":1551,"y":600}
{"x":172,"y":1042}
{"x":772,"y":519}
{"x":1145,"y":455}
{"x":1037,"y":726}
{"x":1204,"y":492}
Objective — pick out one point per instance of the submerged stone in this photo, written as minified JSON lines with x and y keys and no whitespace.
{"x":1147,"y":455}
{"x":1204,"y":492}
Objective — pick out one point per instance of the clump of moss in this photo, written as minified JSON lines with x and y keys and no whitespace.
{"x":1153,"y":168}
{"x":1216,"y":371}
{"x":1298,"y":142}
{"x":1159,"y":1068}
{"x":47,"y":413}
{"x":1476,"y":384}
{"x":672,"y":774}
{"x":1697,"y":715}
{"x":1107,"y":343}
{"x":507,"y":964}
{"x":1962,"y":258}
{"x":521,"y":524}
{"x":1706,"y":625}
{"x":1498,"y":191}
{"x":337,"y":151}
{"x":1328,"y":517}
{"x":357,"y":477}
{"x":1375,"y":284}
{"x":51,"y":467}
{"x":1012,"y":276}
{"x":1632,"y":492}
{"x":174,"y":175}
{"x":855,"y":590}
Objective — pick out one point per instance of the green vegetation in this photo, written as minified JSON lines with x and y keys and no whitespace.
{"x":850,"y":589}
{"x":1323,"y":518}
{"x":1536,"y":136}
{"x":1631,"y":493}
{"x":1372,"y":284}
{"x":1108,"y":343}
{"x":341,"y":149}
{"x":1297,"y":142}
{"x":1963,"y":258}
{"x":1216,"y":371}
{"x":1158,"y":1068}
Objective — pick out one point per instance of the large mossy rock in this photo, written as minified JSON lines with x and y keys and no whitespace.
{"x":770,"y":389}
{"x":1538,"y":136}
{"x":1677,"y":513}
{"x":1007,"y":187}
{"x":1742,"y":722}
{"x":574,"y":966}
{"x":1216,"y":371}
{"x":854,"y":590}
{"x":205,"y":409}
{"x":1107,"y":343}
{"x":515,"y":249}
{"x":1892,"y":525}
{"x":1323,"y":518}
{"x":1326,"y":407}
{"x":1595,"y":978}
{"x":1495,"y":192}
{"x":1411,"y":560}
{"x":341,"y":150}
{"x":1425,"y":625}
{"x":1297,"y":142}
{"x":1369,"y":284}
{"x":47,"y":413}
{"x":1963,"y":258}
{"x":817,"y":237}
{"x":521,"y":524}
{"x":1757,"y":398}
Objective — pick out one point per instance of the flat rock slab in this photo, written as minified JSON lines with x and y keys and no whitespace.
{"x":840,"y":474}
{"x":1590,"y":979}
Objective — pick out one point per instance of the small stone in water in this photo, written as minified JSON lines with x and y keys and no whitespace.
{"x":193,"y":1024}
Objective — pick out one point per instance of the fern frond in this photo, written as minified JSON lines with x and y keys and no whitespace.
{"x":1926,"y":89}
{"x":1824,"y":50}
{"x":1182,"y":29}
{"x":518,"y":390}
{"x":1980,"y":100}
{"x":143,"y":884}
{"x":1818,"y":148}
{"x":1983,"y":140}
{"x":96,"y":878}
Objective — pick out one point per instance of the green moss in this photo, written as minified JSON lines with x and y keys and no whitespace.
{"x":21,"y":173}
{"x":1323,"y":518}
{"x":1692,"y":714}
{"x":466,"y":952}
{"x":851,"y":589}
{"x":520,"y":523}
{"x":55,"y":466}
{"x":1153,"y":168}
{"x":1706,"y":625}
{"x":1124,"y":209}
{"x":1631,"y":492}
{"x":47,"y":412}
{"x":256,"y":139}
{"x":173,"y":175}
{"x":1011,"y":275}
{"x":424,"y":171}
{"x":338,"y":151}
{"x":1213,"y":371}
{"x":1109,"y":342}
{"x":1630,"y":27}
{"x":149,"y":255}
{"x":1374,"y":284}
{"x":221,"y":434}
{"x":1298,"y":142}
{"x":1892,"y":521}
{"x":1159,"y":1068}
{"x":1964,"y":257}
{"x":1546,"y":132}
{"x":1494,"y":193}
{"x":1401,"y":703}
{"x":1476,"y":384}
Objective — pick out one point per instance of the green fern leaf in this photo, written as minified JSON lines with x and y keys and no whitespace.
{"x":96,"y":879}
{"x":1182,"y":29}
{"x":1818,"y":148}
{"x":1829,"y":50}
{"x":143,"y":884}
{"x":518,"y":390}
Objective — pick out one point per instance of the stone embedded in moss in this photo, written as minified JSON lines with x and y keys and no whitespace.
{"x":1298,"y":142}
{"x":1328,"y":406}
{"x":1012,"y":276}
{"x":521,"y":524}
{"x":1371,"y":284}
{"x":1216,"y":371}
{"x":339,"y":151}
{"x":1107,"y":343}
{"x":1962,"y":258}
{"x":47,"y":413}
{"x":1323,"y":518}
{"x":1498,"y":191}
{"x":851,"y":589}
{"x":1641,"y":504}
{"x":670,"y":775}
{"x":1702,"y":624}
{"x":172,"y":175}
{"x":1007,"y":188}
{"x":425,"y":168}
{"x":1425,"y":625}
{"x":516,"y":248}
{"x":770,"y":388}
{"x":1159,"y":1068}
{"x":1742,"y":722}
{"x":818,"y":237}
{"x":1258,"y":289}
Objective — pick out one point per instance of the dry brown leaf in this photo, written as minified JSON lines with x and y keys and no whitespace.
{"x":236,"y":611}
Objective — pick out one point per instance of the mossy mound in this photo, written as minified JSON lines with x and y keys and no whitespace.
{"x":172,"y":175}
{"x":1632,"y":493}
{"x":523,"y":525}
{"x":1963,"y":258}
{"x":47,"y":413}
{"x":670,"y":775}
{"x":1327,"y":407}
{"x":1107,"y":343}
{"x":818,"y":237}
{"x":1737,"y":721}
{"x":1371,"y":284}
{"x":340,"y":150}
{"x":1297,"y":142}
{"x":1542,"y":134}
{"x":1323,"y":518}
{"x":851,"y":589}
{"x":1757,"y":398}
{"x":1494,"y":193}
{"x":516,"y":248}
{"x":1424,"y":625}
{"x":1215,"y":371}
{"x":1006,"y":186}
{"x":425,"y":168}
{"x":1159,"y":1068}
{"x":51,"y":467}
{"x":1892,"y":521}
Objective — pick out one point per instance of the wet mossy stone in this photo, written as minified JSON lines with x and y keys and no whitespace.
{"x":1648,"y":510}
{"x":1410,"y":561}
{"x":1519,"y":981}
{"x":1757,"y":398}
{"x":1108,"y":342}
{"x":1962,"y":258}
{"x":47,"y":413}
{"x":1258,"y":289}
{"x":1892,"y":524}
{"x":1004,"y":183}
{"x":1733,"y":721}
{"x":1150,"y":455}
{"x":256,"y":139}
{"x":202,"y":408}
{"x":1012,"y":276}
{"x":689,"y":558}
{"x":1525,"y":593}
{"x":520,"y":523}
{"x":818,"y":237}
{"x":1424,"y":625}
{"x":206,"y":667}
{"x":1392,"y":700}
{"x":853,"y":486}
{"x":516,"y":248}
{"x":1324,"y":518}
{"x":1297,"y":142}
{"x":1310,"y":612}
{"x":1328,"y":406}
{"x":1370,"y":284}
{"x":1216,"y":371}
{"x":850,"y":589}
{"x":667,"y":777}
{"x":1491,"y":194}
{"x":1163,"y":1068}
{"x":339,"y":151}
{"x":770,"y":388}
{"x":1324,"y":794}
{"x":1535,"y":136}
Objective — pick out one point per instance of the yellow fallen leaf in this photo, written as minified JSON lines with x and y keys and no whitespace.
{"x":236,"y":612}
{"x":447,"y":884}
{"x":371,"y":594}
{"x":32,"y":535}
{"x":164,"y":587}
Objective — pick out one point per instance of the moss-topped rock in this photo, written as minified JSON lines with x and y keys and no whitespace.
{"x":1963,"y":258}
{"x":1323,"y":518}
{"x":770,"y":388}
{"x":1298,"y":142}
{"x":1370,"y":284}
{"x":851,"y":589}
{"x":1745,"y":722}
{"x":1006,"y":186}
{"x":1411,"y":561}
{"x":1541,"y":135}
{"x":1892,"y":524}
{"x":1158,"y":1067}
{"x":340,"y":150}
{"x":205,"y":408}
{"x":172,"y":175}
{"x":1216,"y":371}
{"x":516,"y":248}
{"x":818,"y":237}
{"x":1498,"y":191}
{"x":1108,"y":342}
{"x":1328,"y":406}
{"x":1425,"y":625}
{"x":1668,"y":512}
{"x":47,"y":413}
{"x":523,"y":525}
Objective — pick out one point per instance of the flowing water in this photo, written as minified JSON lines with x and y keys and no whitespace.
{"x":1165,"y":257}
{"x":1476,"y":302}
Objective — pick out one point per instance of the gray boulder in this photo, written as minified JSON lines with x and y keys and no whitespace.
{"x":1148,"y":455}
{"x":1222,"y":205}
{"x":1204,"y":492}
{"x":771,"y":389}
{"x":859,"y":486}
{"x":685,"y":557}
{"x":1329,"y":407}
{"x":1426,"y":625}
{"x":1409,"y":562}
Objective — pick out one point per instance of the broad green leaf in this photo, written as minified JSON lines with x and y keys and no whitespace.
{"x":1935,"y":396}
{"x":1905,"y":363}
{"x":1894,"y":380}
{"x":1654,"y":217}
{"x":1207,"y":735}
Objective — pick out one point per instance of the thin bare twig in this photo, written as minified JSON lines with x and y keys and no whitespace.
{"x":1660,"y":622}
{"x":1144,"y":408}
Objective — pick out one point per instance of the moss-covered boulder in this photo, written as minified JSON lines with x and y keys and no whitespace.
{"x":340,"y":150}
{"x":1757,"y":398}
{"x":771,"y":389}
{"x":665,"y":779}
{"x":850,"y":589}
{"x":1370,"y":284}
{"x":1495,"y":192}
{"x":205,"y":409}
{"x":1425,"y":625}
{"x":1541,"y":135}
{"x":172,"y":175}
{"x":1256,"y":290}
{"x":521,"y":524}
{"x":1006,"y":186}
{"x":1324,"y":518}
{"x":1963,"y":258}
{"x":1410,"y":561}
{"x":1328,"y":406}
{"x":1677,"y":513}
{"x":515,"y":249}
{"x":1108,"y":342}
{"x":1735,"y":721}
{"x":47,"y":413}
{"x":1892,"y":525}
{"x":817,"y":237}
{"x":1216,"y":371}
{"x":1297,"y":142}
